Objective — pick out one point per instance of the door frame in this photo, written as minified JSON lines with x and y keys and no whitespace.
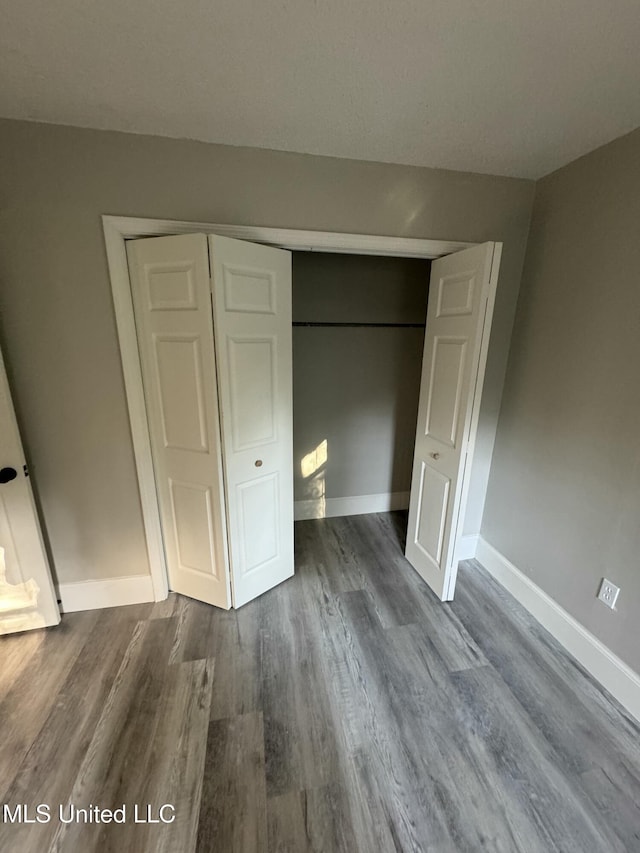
{"x":119,"y":229}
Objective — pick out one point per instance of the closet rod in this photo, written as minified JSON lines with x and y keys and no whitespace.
{"x":358,"y":325}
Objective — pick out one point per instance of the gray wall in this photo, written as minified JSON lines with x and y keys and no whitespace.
{"x":356,"y":388}
{"x":58,"y":329}
{"x":564,"y":495}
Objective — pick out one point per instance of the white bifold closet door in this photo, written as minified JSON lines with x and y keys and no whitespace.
{"x":252,"y":321}
{"x":461,"y":299}
{"x":219,"y":407}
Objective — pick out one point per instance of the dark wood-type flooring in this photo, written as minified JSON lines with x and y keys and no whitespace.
{"x":346,"y":710}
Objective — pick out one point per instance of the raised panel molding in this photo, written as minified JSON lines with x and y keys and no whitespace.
{"x":249,"y":291}
{"x":455,"y":295}
{"x":191,"y":508}
{"x":170,"y":287}
{"x":254,"y":357}
{"x":432,"y":512}
{"x":447,"y":360}
{"x":186,"y":381}
{"x":258,"y":505}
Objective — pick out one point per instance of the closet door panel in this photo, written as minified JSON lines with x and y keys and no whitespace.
{"x":252,"y":315}
{"x":172,"y":303}
{"x":461,"y":299}
{"x":252,"y":391}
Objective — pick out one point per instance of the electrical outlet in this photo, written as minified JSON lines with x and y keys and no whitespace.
{"x":608,"y":593}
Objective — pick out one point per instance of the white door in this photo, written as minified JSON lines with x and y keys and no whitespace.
{"x":461,"y":300}
{"x":252,"y":316}
{"x":170,"y":286}
{"x":27,"y":596}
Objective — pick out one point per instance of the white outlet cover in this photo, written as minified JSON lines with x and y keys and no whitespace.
{"x":608,"y":593}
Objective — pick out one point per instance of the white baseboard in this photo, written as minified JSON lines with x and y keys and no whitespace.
{"x":110,"y":592}
{"x":467,"y":546}
{"x":606,"y":667}
{"x":356,"y":505}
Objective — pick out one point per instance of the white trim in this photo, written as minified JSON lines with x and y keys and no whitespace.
{"x":289,"y":238}
{"x":117,"y":229}
{"x":606,"y":667}
{"x":123,"y":305}
{"x":467,"y":546}
{"x":110,"y":592}
{"x":354,"y":505}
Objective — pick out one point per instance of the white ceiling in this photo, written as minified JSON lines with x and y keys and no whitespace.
{"x":509,"y":87}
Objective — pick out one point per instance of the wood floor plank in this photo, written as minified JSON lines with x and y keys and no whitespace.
{"x":312,"y":821}
{"x":17,"y":649}
{"x":233,"y":813}
{"x":454,"y":644}
{"x":345,"y":710}
{"x":171,"y":606}
{"x":495,"y":599}
{"x":237,"y":686}
{"x":300,"y":741}
{"x":327,"y":556}
{"x":134,"y":612}
{"x":176,"y":766}
{"x":421,"y":777}
{"x":388,"y":767}
{"x":559,"y":696}
{"x":615,"y":804}
{"x":450,"y":637}
{"x":524,"y":772}
{"x":27,"y":702}
{"x":398,"y":815}
{"x":392,"y":595}
{"x":287,"y":826}
{"x":194,"y":632}
{"x":118,"y":759}
{"x":399,"y":690}
{"x":49,"y":769}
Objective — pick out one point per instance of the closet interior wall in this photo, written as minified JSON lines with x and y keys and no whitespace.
{"x":357,"y":354}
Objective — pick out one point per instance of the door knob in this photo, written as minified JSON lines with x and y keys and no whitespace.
{"x":258,"y":463}
{"x":434,"y":455}
{"x":7,"y":475}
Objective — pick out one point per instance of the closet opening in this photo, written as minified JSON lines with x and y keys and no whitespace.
{"x":367,"y":370}
{"x":358,"y":339}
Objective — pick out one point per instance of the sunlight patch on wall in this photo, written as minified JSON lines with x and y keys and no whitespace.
{"x":313,"y":461}
{"x":315,"y":502}
{"x":312,"y":468}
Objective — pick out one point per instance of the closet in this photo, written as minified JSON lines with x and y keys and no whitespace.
{"x":358,"y":338}
{"x":213,"y":320}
